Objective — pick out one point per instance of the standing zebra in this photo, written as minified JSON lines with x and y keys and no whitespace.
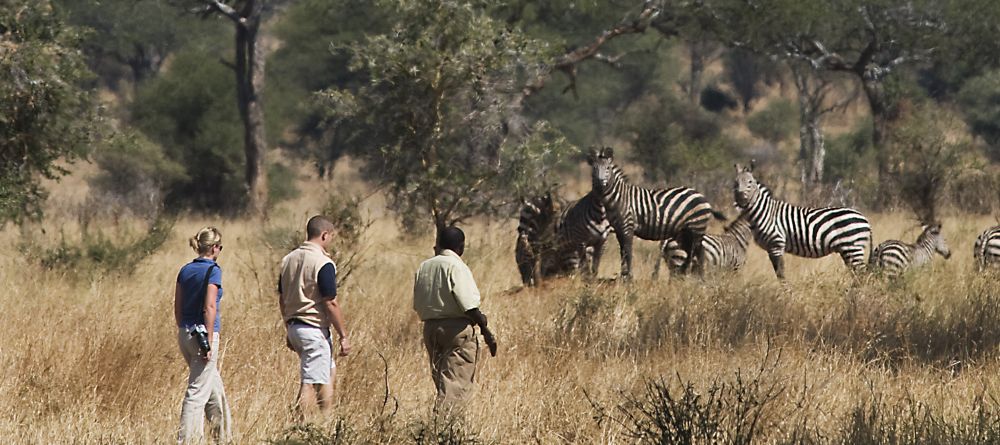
{"x":895,"y":257}
{"x":535,"y":233}
{"x":986,"y":251}
{"x":680,"y":213}
{"x":780,"y":227}
{"x":724,"y":251}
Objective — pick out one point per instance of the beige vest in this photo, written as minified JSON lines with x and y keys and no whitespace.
{"x":299,"y":284}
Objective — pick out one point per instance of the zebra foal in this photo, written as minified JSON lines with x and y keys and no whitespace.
{"x":780,"y":227}
{"x":727,"y":251}
{"x":680,"y":213}
{"x":535,"y":234}
{"x":895,"y":257}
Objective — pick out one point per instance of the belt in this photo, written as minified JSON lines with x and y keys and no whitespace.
{"x":292,"y":321}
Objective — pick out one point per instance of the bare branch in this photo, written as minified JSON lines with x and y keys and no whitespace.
{"x":225,"y":10}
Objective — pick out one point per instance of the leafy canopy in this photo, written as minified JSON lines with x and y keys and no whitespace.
{"x":433,"y":122}
{"x":46,"y":114}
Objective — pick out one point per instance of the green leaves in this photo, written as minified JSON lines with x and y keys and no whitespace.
{"x":435,"y":120}
{"x":45,"y":111}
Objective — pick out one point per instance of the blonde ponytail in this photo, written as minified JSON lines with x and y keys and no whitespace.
{"x":205,"y":239}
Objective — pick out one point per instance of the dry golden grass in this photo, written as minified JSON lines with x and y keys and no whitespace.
{"x":94,"y":359}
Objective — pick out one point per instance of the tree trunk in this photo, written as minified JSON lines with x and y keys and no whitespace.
{"x":249,"y":69}
{"x":697,"y":51}
{"x":875,"y":92}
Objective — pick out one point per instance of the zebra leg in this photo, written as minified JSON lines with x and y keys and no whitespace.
{"x":596,"y":260}
{"x":691,"y":243}
{"x":854,"y":259}
{"x":625,"y":244}
{"x":778,"y":262}
{"x":698,"y":251}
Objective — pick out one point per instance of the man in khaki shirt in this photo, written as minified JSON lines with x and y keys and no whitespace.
{"x":446,"y":298}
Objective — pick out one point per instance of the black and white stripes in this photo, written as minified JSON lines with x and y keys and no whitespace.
{"x":726,"y":251}
{"x":549,"y":245}
{"x":894,"y":257}
{"x":680,"y":213}
{"x":780,"y":227}
{"x":986,"y":249}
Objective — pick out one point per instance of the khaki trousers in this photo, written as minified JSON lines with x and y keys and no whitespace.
{"x":453,"y":350}
{"x":205,"y":396}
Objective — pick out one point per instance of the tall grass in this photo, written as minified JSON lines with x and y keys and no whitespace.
{"x":823,"y":358}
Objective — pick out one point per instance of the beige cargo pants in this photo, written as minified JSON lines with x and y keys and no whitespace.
{"x":453,"y":350}
{"x":205,"y":396}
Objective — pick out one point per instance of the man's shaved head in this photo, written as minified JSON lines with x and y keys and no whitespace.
{"x":317,"y":225}
{"x":451,"y":238}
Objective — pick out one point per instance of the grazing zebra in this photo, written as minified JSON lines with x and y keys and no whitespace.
{"x":581,"y":231}
{"x":895,"y":257}
{"x":724,"y":251}
{"x":987,"y":248}
{"x":680,"y":213}
{"x":780,"y":227}
{"x":534,"y":235}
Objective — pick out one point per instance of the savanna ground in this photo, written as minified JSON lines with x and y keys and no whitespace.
{"x":822,"y":358}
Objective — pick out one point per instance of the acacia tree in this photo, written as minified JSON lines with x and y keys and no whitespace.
{"x":813,"y":89}
{"x":45,"y":113}
{"x":868,"y":39}
{"x":432,"y":122}
{"x":249,"y":68}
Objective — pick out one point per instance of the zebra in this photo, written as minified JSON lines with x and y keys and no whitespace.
{"x":680,"y":213}
{"x":535,"y":231}
{"x":548,"y":245}
{"x":780,"y":227}
{"x":986,"y":250}
{"x":724,"y":251}
{"x":581,"y":231}
{"x":895,"y":257}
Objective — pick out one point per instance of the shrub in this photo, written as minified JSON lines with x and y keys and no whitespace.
{"x":97,"y":253}
{"x":134,"y":176}
{"x":979,"y":100}
{"x":776,"y":123}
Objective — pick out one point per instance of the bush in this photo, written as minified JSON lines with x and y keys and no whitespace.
{"x":926,"y":156}
{"x":97,"y":253}
{"x":679,"y":144}
{"x":776,"y":123}
{"x":134,"y":176}
{"x":979,"y":100}
{"x":715,"y":100}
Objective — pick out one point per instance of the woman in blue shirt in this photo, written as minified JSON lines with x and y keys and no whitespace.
{"x":196,"y":300}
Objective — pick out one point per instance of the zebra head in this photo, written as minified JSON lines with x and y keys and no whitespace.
{"x":602,"y":167}
{"x":933,"y":240}
{"x":745,"y":188}
{"x":536,"y":215}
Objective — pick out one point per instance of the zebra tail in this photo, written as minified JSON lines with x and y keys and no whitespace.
{"x":719,"y":215}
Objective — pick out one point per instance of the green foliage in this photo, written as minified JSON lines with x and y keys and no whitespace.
{"x":434,"y":122}
{"x":314,"y":56}
{"x":281,"y":183}
{"x":97,"y":253}
{"x":134,"y":175}
{"x":45,"y":113}
{"x":850,"y":156}
{"x":776,"y":123}
{"x":191,"y":112}
{"x":130,"y":39}
{"x":980,"y":104}
{"x":926,"y":157}
{"x":677,"y":143}
{"x":311,"y":434}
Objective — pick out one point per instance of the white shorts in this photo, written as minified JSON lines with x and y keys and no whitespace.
{"x":315,"y":348}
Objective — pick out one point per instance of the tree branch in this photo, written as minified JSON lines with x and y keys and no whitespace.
{"x":568,"y":62}
{"x":225,"y":10}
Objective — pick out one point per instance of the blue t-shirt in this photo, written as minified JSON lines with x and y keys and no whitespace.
{"x":190,"y":280}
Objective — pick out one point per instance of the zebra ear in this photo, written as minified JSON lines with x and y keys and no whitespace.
{"x":739,"y":168}
{"x":608,"y":153}
{"x":753,"y":163}
{"x":592,"y":156}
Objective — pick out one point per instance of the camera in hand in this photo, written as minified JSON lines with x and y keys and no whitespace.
{"x":201,"y":334}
